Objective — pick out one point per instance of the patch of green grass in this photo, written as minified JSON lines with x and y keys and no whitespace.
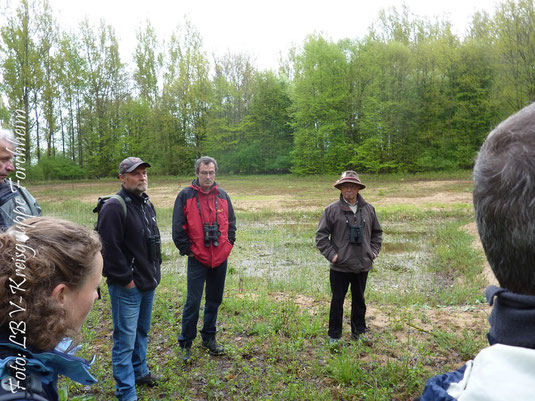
{"x":457,"y":263}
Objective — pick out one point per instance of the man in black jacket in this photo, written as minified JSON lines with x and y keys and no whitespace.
{"x":131,"y":252}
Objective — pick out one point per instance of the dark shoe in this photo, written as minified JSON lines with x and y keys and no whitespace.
{"x":186,"y":354}
{"x":356,"y":336}
{"x":214,"y":348}
{"x":334,"y":342}
{"x":149,"y":380}
{"x":361,"y":338}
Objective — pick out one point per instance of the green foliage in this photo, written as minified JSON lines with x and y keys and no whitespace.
{"x":408,"y":97}
{"x":56,"y":168}
{"x":319,"y":97}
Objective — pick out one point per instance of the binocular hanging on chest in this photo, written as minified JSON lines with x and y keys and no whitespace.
{"x":154,"y":247}
{"x":355,"y":234}
{"x":211,"y":234}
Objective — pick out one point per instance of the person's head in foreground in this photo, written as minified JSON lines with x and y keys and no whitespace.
{"x":50,"y":270}
{"x":504,"y":203}
{"x":7,"y":140}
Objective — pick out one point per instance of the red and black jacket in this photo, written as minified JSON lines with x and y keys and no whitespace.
{"x":188,"y":233}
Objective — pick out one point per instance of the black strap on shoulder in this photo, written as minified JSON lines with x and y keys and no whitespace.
{"x":199,"y":207}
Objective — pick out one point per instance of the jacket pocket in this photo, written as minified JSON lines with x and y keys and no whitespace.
{"x":343,"y":254}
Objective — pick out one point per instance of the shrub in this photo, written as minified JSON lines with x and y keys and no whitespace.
{"x":56,"y":168}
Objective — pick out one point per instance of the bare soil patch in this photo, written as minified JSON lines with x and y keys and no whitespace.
{"x":429,"y":192}
{"x":163,"y":195}
{"x":440,"y":197}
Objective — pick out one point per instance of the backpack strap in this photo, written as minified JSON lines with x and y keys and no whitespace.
{"x":103,"y":199}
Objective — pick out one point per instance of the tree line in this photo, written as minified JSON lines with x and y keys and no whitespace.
{"x":410,"y":96}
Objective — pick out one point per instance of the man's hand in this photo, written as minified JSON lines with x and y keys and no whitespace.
{"x":131,"y":284}
{"x":335,"y":258}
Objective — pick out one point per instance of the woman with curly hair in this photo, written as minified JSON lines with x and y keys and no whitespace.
{"x":50,"y":270}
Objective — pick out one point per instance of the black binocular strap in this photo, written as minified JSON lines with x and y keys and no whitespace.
{"x":347,"y":220}
{"x":199,"y":207}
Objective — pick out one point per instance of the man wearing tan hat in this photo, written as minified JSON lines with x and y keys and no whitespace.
{"x":349,"y":236}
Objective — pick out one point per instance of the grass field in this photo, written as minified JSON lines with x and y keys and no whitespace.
{"x":426,"y":311}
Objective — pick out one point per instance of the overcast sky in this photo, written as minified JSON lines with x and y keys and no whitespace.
{"x":263,"y":29}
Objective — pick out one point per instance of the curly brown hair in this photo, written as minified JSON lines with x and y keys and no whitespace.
{"x":52,"y":252}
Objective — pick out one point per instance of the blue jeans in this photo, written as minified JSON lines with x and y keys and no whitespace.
{"x":198,"y":274}
{"x":131,"y":313}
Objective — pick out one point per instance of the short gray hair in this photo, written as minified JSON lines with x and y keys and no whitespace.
{"x":204,"y":160}
{"x":504,"y":200}
{"x":7,"y":135}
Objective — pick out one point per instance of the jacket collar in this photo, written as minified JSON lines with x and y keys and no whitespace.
{"x":136,"y":198}
{"x":512,"y":320}
{"x":195,"y":185}
{"x":345,"y":206}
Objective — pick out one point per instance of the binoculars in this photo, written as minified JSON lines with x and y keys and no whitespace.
{"x":211,"y":234}
{"x":355,"y":234}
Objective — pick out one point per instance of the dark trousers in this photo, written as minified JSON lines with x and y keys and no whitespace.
{"x":198,"y":275}
{"x":339,"y":285}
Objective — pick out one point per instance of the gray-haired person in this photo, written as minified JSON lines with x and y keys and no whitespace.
{"x":204,"y":230}
{"x":349,"y":236}
{"x":504,"y":203}
{"x":16,"y":203}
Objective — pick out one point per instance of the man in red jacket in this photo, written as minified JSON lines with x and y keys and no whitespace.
{"x":204,"y":229}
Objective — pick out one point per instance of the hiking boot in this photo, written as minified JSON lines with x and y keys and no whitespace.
{"x":149,"y":380}
{"x":213,"y":347}
{"x":186,"y":354}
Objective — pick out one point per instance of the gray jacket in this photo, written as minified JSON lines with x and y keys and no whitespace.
{"x":332,"y":236}
{"x":16,"y":201}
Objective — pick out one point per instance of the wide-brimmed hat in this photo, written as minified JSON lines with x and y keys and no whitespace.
{"x":349,"y":176}
{"x":130,"y":164}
